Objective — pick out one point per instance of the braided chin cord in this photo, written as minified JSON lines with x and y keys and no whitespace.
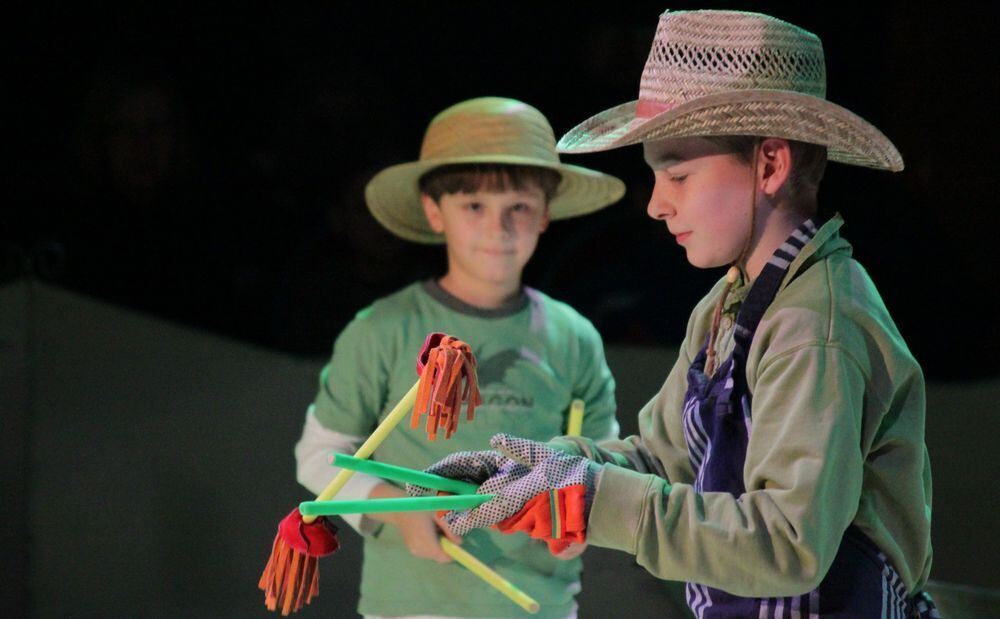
{"x":711,"y":357}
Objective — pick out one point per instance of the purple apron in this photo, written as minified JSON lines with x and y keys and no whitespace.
{"x":717,"y":424}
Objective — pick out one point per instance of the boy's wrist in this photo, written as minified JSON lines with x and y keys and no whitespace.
{"x":386,"y":490}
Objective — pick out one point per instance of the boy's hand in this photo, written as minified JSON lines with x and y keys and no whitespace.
{"x":472,"y":466}
{"x":516,"y":472}
{"x":572,"y":551}
{"x":420,"y":530}
{"x":491,"y":470}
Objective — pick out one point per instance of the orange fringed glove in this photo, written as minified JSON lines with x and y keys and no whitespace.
{"x":447,"y":370}
{"x":556,"y":516}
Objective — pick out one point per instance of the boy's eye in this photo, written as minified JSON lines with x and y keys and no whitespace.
{"x":678,"y":178}
{"x":473,"y":206}
{"x":520,"y":207}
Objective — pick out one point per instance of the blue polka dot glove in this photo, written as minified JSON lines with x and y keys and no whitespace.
{"x":515,"y":473}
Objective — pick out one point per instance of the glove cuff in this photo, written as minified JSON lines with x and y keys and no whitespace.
{"x":593,"y":477}
{"x":555,"y":517}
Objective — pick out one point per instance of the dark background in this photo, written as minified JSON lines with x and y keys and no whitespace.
{"x":206,"y":164}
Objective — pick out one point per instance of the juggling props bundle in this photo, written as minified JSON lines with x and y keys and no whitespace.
{"x":465,"y":498}
{"x":447,"y":371}
{"x":534,"y":489}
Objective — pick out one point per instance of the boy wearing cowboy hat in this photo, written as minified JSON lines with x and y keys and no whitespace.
{"x":781,"y":470}
{"x":486,"y":185}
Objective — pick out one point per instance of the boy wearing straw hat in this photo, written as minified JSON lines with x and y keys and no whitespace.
{"x":781,"y":470}
{"x":486,"y":185}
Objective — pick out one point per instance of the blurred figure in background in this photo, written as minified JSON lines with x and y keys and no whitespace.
{"x":130,"y":223}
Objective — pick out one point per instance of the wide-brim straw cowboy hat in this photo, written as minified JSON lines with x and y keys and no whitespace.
{"x":714,"y":73}
{"x":485,"y":130}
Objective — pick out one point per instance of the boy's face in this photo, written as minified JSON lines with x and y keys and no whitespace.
{"x":703,"y":194}
{"x":490,"y":235}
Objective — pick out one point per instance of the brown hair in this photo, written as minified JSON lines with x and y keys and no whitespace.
{"x":472,"y":177}
{"x":808,"y":163}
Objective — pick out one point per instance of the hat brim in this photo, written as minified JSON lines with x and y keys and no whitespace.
{"x":769,"y":113}
{"x":393,"y":195}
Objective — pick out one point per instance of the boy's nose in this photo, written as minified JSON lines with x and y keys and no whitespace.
{"x":659,"y":206}
{"x":502,"y":223}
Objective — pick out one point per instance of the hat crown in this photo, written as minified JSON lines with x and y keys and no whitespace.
{"x":699,"y":53}
{"x":489,"y":126}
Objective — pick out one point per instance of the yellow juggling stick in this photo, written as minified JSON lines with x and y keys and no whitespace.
{"x":574,"y":426}
{"x":495,"y":580}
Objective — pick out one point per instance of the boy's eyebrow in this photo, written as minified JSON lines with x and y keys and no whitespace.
{"x":662,"y":159}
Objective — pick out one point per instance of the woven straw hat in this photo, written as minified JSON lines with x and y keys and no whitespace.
{"x":712,"y":73}
{"x":484,"y":130}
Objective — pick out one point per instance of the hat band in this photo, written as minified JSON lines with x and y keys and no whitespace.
{"x":646,"y":108}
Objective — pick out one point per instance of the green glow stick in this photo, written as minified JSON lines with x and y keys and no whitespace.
{"x":405,"y":475}
{"x":404,"y":504}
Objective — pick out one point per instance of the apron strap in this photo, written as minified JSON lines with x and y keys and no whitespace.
{"x":767,"y":284}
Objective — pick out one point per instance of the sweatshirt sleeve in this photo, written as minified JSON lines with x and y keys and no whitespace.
{"x":596,"y":387}
{"x":354,"y":386}
{"x":803,"y":475}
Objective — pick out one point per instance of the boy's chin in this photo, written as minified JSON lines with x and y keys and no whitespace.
{"x":704,"y":263}
{"x":701,"y":261}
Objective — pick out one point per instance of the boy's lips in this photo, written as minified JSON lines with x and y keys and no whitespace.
{"x":496,"y":251}
{"x":680,"y":237}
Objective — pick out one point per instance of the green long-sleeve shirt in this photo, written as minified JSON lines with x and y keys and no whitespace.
{"x":837,"y":439}
{"x":534,"y":356}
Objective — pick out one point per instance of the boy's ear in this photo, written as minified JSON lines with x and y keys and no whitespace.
{"x":774,"y":164}
{"x":433,"y":213}
{"x":543,"y":225}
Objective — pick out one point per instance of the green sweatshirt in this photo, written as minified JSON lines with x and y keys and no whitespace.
{"x":534,"y":356}
{"x":837,"y":439}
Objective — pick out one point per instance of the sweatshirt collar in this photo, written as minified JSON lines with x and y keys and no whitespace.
{"x":442,"y":296}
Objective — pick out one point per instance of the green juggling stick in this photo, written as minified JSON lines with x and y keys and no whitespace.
{"x":404,"y":504}
{"x":402,"y":474}
{"x":465,"y":496}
